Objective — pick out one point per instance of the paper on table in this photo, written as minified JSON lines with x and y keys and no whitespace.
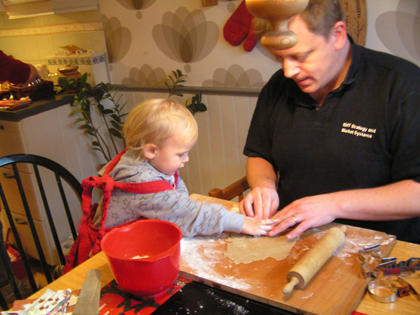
{"x":49,"y":303}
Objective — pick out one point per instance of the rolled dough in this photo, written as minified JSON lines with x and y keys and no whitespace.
{"x":246,"y":249}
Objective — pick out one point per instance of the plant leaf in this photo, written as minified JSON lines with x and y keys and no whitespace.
{"x":79,"y":120}
{"x":116,"y":117}
{"x":201,"y":107}
{"x":115,"y":133}
{"x":77,"y":111}
{"x":62,"y":81}
{"x":98,"y":94}
{"x":116,"y":125}
{"x":87,"y":127}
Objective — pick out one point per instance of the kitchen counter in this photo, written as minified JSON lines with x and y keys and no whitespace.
{"x":36,"y":107}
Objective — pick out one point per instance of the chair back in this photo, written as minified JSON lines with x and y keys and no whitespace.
{"x":41,"y":199}
{"x":236,"y":189}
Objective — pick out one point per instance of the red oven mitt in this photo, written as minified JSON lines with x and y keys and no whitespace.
{"x":239,"y":28}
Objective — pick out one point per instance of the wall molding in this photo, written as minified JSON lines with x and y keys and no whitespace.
{"x":206,"y":90}
{"x":52,"y":29}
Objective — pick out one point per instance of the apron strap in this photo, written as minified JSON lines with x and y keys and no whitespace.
{"x":107,"y":184}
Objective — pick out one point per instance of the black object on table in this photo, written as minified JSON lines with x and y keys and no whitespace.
{"x":198,"y":298}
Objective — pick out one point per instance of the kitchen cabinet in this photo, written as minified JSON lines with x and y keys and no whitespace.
{"x":94,"y":64}
{"x":28,"y":8}
{"x":51,"y":134}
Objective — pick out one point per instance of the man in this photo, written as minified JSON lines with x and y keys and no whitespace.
{"x":340,"y":126}
{"x":16,"y":71}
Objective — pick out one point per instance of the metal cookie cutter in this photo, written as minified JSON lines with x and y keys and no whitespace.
{"x":403,"y":267}
{"x":371,"y":261}
{"x":410,"y":288}
{"x":383,"y":291}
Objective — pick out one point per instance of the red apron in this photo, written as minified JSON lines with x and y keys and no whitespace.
{"x":88,"y":241}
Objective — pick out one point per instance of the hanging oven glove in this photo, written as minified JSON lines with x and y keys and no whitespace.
{"x":239,"y":28}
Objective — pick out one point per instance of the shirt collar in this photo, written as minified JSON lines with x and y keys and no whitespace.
{"x":356,"y":56}
{"x":300,"y":98}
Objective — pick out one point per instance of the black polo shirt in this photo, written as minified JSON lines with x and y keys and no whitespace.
{"x":365,"y":134}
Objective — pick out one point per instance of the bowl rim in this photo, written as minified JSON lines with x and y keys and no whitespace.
{"x":169,"y":252}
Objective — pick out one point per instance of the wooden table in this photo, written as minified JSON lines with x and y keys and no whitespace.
{"x":402,"y":251}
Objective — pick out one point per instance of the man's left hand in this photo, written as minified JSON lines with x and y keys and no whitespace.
{"x":306,"y":213}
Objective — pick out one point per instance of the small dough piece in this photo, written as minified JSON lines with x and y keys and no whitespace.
{"x":246,"y":249}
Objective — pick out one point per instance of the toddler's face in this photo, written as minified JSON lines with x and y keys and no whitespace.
{"x":172,"y":154}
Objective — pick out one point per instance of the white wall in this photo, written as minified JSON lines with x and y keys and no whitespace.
{"x":393,"y":26}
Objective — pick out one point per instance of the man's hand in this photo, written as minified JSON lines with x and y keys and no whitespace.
{"x":263,"y":201}
{"x":260,"y":203}
{"x":307,"y":213}
{"x":395,"y":201}
{"x":32,"y":75}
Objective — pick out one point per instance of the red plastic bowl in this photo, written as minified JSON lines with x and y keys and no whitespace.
{"x":144,"y":256}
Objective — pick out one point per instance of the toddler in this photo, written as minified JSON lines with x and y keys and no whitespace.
{"x":159,"y":133}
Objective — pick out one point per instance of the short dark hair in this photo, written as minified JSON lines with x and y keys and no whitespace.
{"x":321,"y":15}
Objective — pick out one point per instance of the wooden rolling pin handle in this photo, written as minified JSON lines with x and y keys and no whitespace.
{"x":288,"y":288}
{"x":314,"y":259}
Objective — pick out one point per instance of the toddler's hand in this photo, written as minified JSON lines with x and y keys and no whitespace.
{"x":257,"y":227}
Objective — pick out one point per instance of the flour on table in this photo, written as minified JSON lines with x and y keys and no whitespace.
{"x":246,"y":249}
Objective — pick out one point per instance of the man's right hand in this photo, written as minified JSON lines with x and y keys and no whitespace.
{"x":261,"y":203}
{"x":32,"y":75}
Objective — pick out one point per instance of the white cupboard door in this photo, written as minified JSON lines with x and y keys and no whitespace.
{"x":11,"y":191}
{"x":28,"y":243}
{"x":11,"y":141}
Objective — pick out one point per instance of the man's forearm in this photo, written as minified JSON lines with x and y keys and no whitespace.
{"x":260,"y":173}
{"x":395,"y":201}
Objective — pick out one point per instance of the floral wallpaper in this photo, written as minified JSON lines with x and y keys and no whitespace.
{"x":186,"y":36}
{"x":183,"y":35}
{"x":147,"y":39}
{"x":136,"y":4}
{"x":399,"y":30}
{"x":235,"y":76}
{"x":118,"y":38}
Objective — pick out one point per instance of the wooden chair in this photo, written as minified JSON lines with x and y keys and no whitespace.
{"x":236,"y":189}
{"x":46,"y":178}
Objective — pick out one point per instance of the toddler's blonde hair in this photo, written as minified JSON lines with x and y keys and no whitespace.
{"x":155,"y":121}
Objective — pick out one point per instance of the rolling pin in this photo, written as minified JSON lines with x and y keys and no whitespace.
{"x":314,"y":259}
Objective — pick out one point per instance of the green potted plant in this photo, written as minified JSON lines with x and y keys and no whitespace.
{"x":107,"y":134}
{"x":175,"y":82}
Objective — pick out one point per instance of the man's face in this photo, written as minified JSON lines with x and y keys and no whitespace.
{"x":312,"y":62}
